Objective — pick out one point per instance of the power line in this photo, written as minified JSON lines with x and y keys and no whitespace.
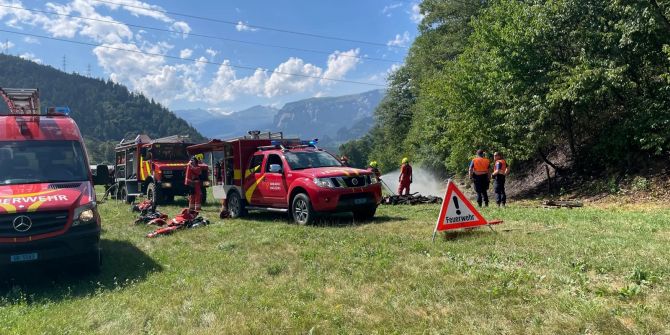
{"x":190,"y":59}
{"x":286,"y":31}
{"x":197,"y":35}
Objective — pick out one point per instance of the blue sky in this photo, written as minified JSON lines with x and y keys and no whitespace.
{"x":223,"y":79}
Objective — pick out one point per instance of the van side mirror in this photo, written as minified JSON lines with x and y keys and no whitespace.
{"x":275,"y":168}
{"x":101,"y":176}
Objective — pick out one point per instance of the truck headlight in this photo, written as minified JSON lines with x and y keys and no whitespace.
{"x":324,"y":182}
{"x":85,"y":214}
{"x":166,"y":185}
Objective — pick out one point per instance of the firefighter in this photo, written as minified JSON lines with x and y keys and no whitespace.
{"x":405,"y":178}
{"x":374,"y":169}
{"x":500,"y":172}
{"x":193,"y":182}
{"x":480,"y":173}
{"x":345,"y":161}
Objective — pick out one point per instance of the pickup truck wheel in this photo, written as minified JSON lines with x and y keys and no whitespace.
{"x":301,"y":208}
{"x":155,"y":194}
{"x":235,"y":205}
{"x":365,"y":214}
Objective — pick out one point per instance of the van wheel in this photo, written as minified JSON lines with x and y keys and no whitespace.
{"x":235,"y":205}
{"x":155,"y":194}
{"x":365,"y":214}
{"x":301,"y":208}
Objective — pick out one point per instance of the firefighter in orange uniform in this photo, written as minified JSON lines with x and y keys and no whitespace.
{"x":405,"y":178}
{"x":500,"y":172}
{"x":480,"y":173}
{"x":192,"y":181}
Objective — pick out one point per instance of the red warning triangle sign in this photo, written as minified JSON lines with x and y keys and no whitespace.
{"x":457,"y":211}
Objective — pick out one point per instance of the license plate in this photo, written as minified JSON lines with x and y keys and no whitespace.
{"x":23,"y":257}
{"x":360,"y":201}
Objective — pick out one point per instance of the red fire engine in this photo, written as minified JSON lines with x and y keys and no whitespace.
{"x":155,"y":168}
{"x":48,"y":206}
{"x":264,"y":171}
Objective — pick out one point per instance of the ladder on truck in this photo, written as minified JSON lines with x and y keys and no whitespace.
{"x":21,"y":101}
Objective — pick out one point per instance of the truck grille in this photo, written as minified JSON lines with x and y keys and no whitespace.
{"x":359,"y":181}
{"x":42,"y":223}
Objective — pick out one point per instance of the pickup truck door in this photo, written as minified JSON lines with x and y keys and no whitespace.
{"x":273,"y":186}
{"x":253,"y":179}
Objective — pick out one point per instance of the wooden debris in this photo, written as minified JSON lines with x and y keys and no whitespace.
{"x":412,"y":199}
{"x":562,"y":203}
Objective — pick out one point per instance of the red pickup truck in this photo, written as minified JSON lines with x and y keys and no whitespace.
{"x":268,"y":172}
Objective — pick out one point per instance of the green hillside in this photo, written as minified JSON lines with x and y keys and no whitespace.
{"x":105,"y":111}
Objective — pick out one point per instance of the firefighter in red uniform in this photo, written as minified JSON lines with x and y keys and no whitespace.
{"x":500,"y":172}
{"x":373,"y":167}
{"x":192,"y":180}
{"x":480,"y":174}
{"x":405,"y":178}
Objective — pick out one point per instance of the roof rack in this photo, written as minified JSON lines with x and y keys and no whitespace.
{"x":22,"y":101}
{"x":258,"y":135}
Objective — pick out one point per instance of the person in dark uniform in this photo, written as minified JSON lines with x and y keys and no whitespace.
{"x":500,"y":172}
{"x":480,"y":173}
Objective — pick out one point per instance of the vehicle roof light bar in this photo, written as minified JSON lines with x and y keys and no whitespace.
{"x":21,"y":101}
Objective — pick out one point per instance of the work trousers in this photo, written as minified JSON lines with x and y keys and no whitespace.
{"x":404,"y":186}
{"x":195,"y":198}
{"x":482,"y":188}
{"x":499,"y":189}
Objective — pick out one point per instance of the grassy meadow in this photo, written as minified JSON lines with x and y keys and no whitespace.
{"x":594,"y":270}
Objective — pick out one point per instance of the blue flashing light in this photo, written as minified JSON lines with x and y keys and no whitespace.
{"x":275,"y":143}
{"x":58,"y":111}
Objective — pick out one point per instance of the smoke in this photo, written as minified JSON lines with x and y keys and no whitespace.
{"x":425,"y":182}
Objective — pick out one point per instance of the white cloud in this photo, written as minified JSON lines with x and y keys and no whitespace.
{"x":31,"y":40}
{"x":182,"y":28}
{"x":5,"y":46}
{"x":241,"y":26}
{"x":388,"y":9}
{"x":399,"y":40}
{"x":186,"y":53}
{"x":339,"y":64}
{"x":415,"y":15}
{"x":211,"y":52}
{"x":30,"y":56}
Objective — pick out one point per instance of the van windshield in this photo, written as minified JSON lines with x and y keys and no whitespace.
{"x":310,"y":159}
{"x":28,"y":162}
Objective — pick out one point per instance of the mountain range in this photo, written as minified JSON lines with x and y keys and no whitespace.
{"x":333,"y":120}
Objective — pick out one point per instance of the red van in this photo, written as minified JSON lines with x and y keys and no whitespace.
{"x":48,"y":207}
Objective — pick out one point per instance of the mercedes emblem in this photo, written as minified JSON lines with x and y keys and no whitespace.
{"x":22,"y":223}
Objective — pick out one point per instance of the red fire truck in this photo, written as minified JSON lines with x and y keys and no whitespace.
{"x":48,"y":206}
{"x":264,"y":171}
{"x":155,"y":168}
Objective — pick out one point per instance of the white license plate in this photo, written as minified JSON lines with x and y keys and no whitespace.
{"x":360,"y":201}
{"x":23,"y":257}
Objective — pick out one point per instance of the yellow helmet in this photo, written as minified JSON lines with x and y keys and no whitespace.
{"x":405,"y":160}
{"x":373,"y":164}
{"x":200,"y":157}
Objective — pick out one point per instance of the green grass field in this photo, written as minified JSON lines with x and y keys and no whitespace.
{"x":590,"y":270}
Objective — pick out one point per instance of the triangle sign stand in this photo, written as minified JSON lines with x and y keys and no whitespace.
{"x":458,"y":212}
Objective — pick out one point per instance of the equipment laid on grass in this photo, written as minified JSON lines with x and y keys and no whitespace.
{"x":412,"y":199}
{"x":186,"y":219}
{"x":149,"y":214}
{"x":458,"y":212}
{"x":562,"y":203}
